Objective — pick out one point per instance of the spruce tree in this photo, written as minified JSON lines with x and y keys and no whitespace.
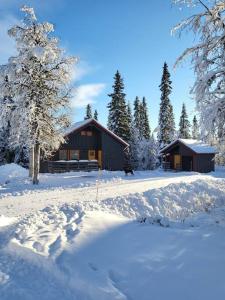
{"x":195,"y":129}
{"x":145,"y":120}
{"x":129,"y":115}
{"x":88,"y":112}
{"x":138,"y":115}
{"x":118,"y":118}
{"x":96,"y":115}
{"x":166,"y":131}
{"x":184,"y":124}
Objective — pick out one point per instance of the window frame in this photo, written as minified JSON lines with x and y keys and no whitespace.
{"x":65,"y":154}
{"x":77,"y":152}
{"x":89,"y":133}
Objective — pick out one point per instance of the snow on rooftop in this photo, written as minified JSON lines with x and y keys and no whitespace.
{"x":196,"y":145}
{"x":80,"y":124}
{"x":76,"y":125}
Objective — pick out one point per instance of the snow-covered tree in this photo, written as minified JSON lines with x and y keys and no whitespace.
{"x":88,"y":113}
{"x":39,"y":78}
{"x":147,"y":154}
{"x":129,"y":115}
{"x":184,"y":124}
{"x":117,"y":119}
{"x":96,"y":115}
{"x":195,"y":129}
{"x":8,"y":153}
{"x":143,"y":151}
{"x":166,"y":126}
{"x":208,"y":59}
{"x":6,"y":115}
{"x":145,"y":119}
{"x":143,"y":146}
{"x":138,"y":115}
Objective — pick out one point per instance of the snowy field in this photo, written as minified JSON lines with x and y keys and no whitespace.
{"x":156,"y":235}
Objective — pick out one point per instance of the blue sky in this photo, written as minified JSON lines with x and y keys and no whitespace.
{"x":132,"y":36}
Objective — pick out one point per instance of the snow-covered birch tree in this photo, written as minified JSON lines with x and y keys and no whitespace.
{"x":208,"y":59}
{"x":39,"y":78}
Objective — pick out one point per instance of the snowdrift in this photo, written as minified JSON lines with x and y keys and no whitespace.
{"x":10,"y":172}
{"x":194,"y":204}
{"x":175,"y":202}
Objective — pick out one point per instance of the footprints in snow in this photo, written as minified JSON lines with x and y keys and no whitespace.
{"x":49,"y":230}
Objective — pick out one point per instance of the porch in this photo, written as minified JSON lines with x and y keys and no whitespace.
{"x":63,"y":166}
{"x":177,"y":162}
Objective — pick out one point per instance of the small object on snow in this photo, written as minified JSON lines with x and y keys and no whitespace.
{"x":127,"y":164}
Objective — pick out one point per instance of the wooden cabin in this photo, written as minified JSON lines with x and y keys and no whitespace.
{"x":88,"y":146}
{"x":188,"y":155}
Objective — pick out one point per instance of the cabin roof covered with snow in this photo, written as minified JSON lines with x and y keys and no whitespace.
{"x":196,"y":146}
{"x":79,"y":125}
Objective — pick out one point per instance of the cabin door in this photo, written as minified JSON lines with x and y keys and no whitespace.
{"x":177,"y":162}
{"x":100,"y":158}
{"x":91,"y":154}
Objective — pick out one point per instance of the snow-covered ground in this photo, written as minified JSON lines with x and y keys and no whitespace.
{"x":155,"y":235}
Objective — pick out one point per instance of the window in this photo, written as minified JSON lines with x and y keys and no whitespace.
{"x":86,"y":133}
{"x":62,"y":154}
{"x":74,"y":154}
{"x":89,"y":133}
{"x":91,"y":154}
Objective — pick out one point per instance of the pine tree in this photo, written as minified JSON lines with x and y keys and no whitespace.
{"x":118,"y":119}
{"x":195,"y":129}
{"x":39,"y":77}
{"x":143,"y":146}
{"x":129,"y":115}
{"x":184,"y":125}
{"x":96,"y":115}
{"x":138,"y":115}
{"x":145,"y":120}
{"x":166,"y":131}
{"x":88,"y":112}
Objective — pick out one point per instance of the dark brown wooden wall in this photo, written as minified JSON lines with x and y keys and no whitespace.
{"x":112,"y":149}
{"x":113,"y":153}
{"x":202,"y":163}
{"x":205,"y":163}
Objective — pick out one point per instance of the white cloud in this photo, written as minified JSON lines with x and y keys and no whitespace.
{"x":7,"y":45}
{"x":80,"y":69}
{"x":86,"y":93}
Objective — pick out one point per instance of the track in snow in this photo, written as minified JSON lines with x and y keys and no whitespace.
{"x":35,"y":200}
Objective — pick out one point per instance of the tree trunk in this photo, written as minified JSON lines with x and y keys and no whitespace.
{"x":36,"y":163}
{"x":31,"y":162}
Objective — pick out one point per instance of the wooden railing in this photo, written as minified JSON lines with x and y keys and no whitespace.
{"x":166,"y":165}
{"x":68,"y":166}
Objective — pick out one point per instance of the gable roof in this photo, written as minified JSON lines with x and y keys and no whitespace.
{"x":79,"y":125}
{"x":196,"y":146}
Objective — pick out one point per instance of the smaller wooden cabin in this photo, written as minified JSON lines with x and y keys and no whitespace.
{"x":88,"y":146}
{"x":188,"y":155}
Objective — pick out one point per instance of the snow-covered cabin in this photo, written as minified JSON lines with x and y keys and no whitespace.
{"x":88,"y":143}
{"x":189,"y":155}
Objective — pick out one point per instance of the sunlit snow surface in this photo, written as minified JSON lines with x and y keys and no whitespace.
{"x":156,"y":235}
